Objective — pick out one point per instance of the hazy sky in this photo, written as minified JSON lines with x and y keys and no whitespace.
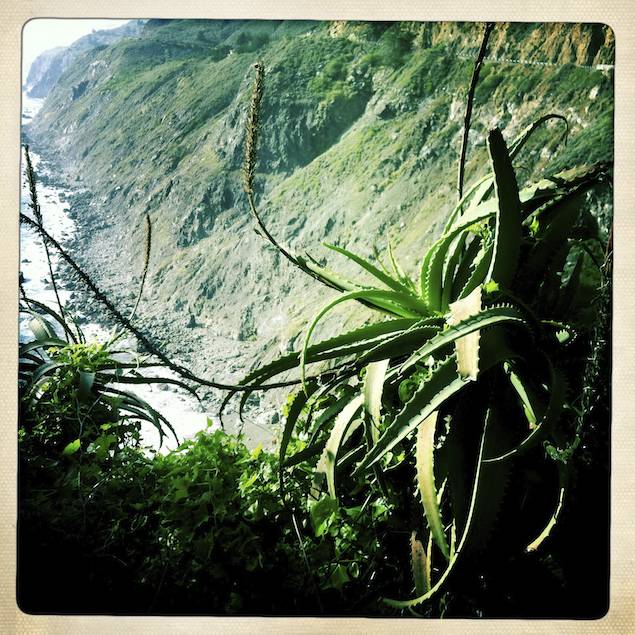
{"x":42,"y":34}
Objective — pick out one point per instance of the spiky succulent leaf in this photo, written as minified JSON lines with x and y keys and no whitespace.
{"x":432,"y":267}
{"x":418,"y":564}
{"x":361,"y":339}
{"x":402,"y":343}
{"x":453,"y":260}
{"x":294,"y":409}
{"x":482,"y":188}
{"x":466,"y":346}
{"x":442,"y":384}
{"x":473,"y":197}
{"x":528,"y":399}
{"x":569,"y":289}
{"x":398,"y":270}
{"x":390,"y":282}
{"x":329,"y":456}
{"x":403,"y":304}
{"x":507,"y":234}
{"x":478,"y":274}
{"x":465,"y":266}
{"x":562,"y":490}
{"x":557,"y":390}
{"x":426,"y":484}
{"x":464,"y":536}
{"x":310,"y":451}
{"x":41,"y":328}
{"x":556,"y":222}
{"x":373,"y":389}
{"x":487,"y":317}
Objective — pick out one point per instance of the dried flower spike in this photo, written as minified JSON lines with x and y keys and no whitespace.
{"x":253,"y":124}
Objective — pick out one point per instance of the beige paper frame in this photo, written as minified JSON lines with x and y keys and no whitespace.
{"x":620,"y":15}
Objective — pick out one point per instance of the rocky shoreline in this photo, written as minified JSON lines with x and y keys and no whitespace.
{"x":180,"y":337}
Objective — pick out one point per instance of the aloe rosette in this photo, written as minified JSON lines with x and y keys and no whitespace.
{"x":493,"y":314}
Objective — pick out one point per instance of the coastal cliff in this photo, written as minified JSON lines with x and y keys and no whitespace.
{"x":361,"y":134}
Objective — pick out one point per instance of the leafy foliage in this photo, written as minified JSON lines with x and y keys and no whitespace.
{"x":137,"y":530}
{"x":201,"y":529}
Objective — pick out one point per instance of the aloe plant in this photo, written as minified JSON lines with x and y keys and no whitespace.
{"x":74,"y":390}
{"x":492,"y":321}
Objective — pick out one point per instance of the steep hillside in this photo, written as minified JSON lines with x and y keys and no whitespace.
{"x":49,"y":66}
{"x":361,"y":132}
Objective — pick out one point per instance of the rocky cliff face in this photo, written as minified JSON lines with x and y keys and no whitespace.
{"x":361,"y":129}
{"x":48,"y":67}
{"x":36,"y":83}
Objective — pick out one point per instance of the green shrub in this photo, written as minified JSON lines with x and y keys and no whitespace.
{"x":393,"y":47}
{"x":335,"y":71}
{"x":70,"y":390}
{"x":248,"y":43}
{"x":202,"y":529}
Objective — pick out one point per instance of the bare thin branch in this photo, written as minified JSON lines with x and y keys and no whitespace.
{"x":123,"y":321}
{"x":35,"y":206}
{"x":489,"y":26}
{"x":146,"y":262}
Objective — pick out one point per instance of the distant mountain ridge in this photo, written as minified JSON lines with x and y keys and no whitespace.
{"x":47,"y":67}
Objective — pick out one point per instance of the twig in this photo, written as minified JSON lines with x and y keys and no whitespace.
{"x":489,"y":26}
{"x":35,"y":206}
{"x":249,"y":166}
{"x":125,"y":322}
{"x":23,"y":293}
{"x":148,"y":248}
